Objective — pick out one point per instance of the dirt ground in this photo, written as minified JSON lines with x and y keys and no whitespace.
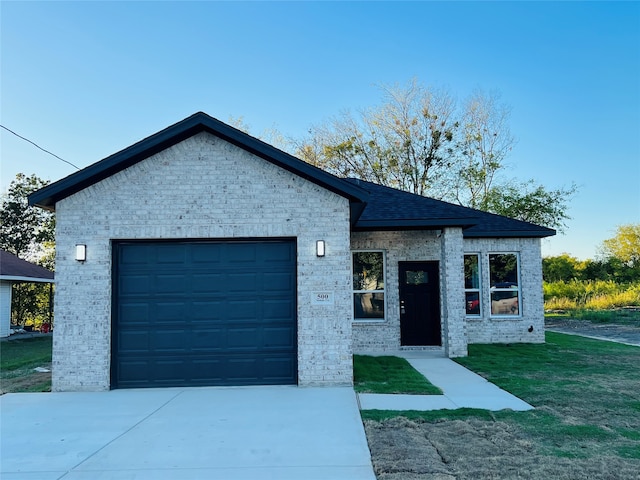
{"x":25,"y":380}
{"x":621,"y":333}
{"x":403,"y":449}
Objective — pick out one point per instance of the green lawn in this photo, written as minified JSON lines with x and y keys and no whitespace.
{"x":586,"y":393}
{"x":18,"y":358}
{"x":619,"y":316}
{"x":30,"y":352}
{"x":389,"y":375}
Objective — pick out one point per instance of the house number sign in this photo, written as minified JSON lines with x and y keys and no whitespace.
{"x":322,"y":298}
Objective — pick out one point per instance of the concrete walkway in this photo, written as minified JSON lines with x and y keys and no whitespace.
{"x":235,"y":433}
{"x":461,"y":387}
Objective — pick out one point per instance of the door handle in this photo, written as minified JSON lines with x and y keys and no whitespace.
{"x":402,"y":310}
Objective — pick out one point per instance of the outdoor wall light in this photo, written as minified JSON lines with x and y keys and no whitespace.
{"x":320,"y":248}
{"x":81,"y":252}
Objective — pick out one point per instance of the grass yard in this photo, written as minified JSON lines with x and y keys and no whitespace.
{"x":389,"y":375}
{"x":586,"y":423}
{"x":19,"y":358}
{"x":621,"y":316}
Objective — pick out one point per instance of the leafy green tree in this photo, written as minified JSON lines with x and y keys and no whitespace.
{"x":418,"y":140}
{"x":531,"y":203}
{"x":27,"y":232}
{"x":560,"y":268}
{"x":625,"y":245}
{"x":24,"y":229}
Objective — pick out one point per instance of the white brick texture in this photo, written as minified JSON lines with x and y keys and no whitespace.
{"x":380,"y":336}
{"x":501,"y":329}
{"x":200,"y":188}
{"x":458,"y":330}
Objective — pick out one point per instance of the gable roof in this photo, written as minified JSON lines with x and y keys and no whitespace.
{"x":196,"y":123}
{"x":373,"y":207}
{"x":16,"y":269}
{"x":392,"y":209}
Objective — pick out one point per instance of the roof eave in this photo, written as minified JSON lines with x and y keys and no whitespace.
{"x":414,"y":224}
{"x":510,"y":234}
{"x":19,"y":278}
{"x":199,"y":122}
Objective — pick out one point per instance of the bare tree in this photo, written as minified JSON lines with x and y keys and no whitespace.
{"x":406,"y":142}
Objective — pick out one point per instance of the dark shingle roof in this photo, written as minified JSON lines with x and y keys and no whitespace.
{"x":13,"y":268}
{"x":198,"y":122}
{"x":392,"y":209}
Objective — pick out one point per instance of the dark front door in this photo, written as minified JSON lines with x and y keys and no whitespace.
{"x":419,"y":303}
{"x":204,"y":313}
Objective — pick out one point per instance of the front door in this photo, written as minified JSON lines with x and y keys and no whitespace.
{"x":419,"y":303}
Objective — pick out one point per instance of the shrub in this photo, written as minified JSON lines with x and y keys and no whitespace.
{"x":597,"y":295}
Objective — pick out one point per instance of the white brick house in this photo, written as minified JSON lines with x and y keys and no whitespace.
{"x":212,"y":258}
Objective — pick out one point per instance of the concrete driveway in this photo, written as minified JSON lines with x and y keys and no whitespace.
{"x":282,"y":432}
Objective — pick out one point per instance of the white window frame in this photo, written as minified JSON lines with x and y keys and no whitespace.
{"x":382,"y":291}
{"x":518,"y":290}
{"x":478,"y":290}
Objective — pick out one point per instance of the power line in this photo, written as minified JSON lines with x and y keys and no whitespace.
{"x":38,"y":146}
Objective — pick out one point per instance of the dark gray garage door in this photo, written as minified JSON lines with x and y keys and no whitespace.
{"x":204,"y":313}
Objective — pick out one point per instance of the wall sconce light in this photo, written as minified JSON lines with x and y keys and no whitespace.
{"x":81,"y":252}
{"x":320,"y":248}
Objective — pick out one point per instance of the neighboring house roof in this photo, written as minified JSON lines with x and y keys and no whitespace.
{"x":18,"y":270}
{"x":196,"y":123}
{"x":392,"y":209}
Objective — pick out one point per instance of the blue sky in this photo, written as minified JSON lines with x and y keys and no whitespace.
{"x":87,"y":79}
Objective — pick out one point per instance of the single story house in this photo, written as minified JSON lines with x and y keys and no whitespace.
{"x":203,"y":256}
{"x":15,"y":270}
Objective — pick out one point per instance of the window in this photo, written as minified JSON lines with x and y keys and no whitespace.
{"x":472,"y":284}
{"x":505,"y":289}
{"x":368,"y":285}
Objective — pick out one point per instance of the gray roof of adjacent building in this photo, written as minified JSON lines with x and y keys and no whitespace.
{"x":15,"y":269}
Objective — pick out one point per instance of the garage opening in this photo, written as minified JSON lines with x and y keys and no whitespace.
{"x":196,"y":313}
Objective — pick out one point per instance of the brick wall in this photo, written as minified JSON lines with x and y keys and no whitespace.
{"x":509,"y":329}
{"x":377,"y":336}
{"x":457,"y":329}
{"x":200,"y":188}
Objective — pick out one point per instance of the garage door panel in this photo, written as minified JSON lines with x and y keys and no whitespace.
{"x":242,"y":339}
{"x":205,"y":313}
{"x":170,"y":312}
{"x":208,"y":283}
{"x":170,"y":254}
{"x":278,"y":338}
{"x":212,"y":310}
{"x":276,"y":369}
{"x":134,"y":284}
{"x":171,"y":284}
{"x":133,"y":372}
{"x":277,"y":282}
{"x":277,"y":253}
{"x":241,"y":282}
{"x":208,"y":340}
{"x":242,"y":310}
{"x":243,"y":369}
{"x":172,"y":340}
{"x":278,"y":309}
{"x":134,"y":313}
{"x":133,"y":341}
{"x":240,"y":253}
{"x":169,"y":371}
{"x":203,"y":255}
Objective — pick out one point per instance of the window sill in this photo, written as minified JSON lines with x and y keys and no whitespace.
{"x":368,"y":321}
